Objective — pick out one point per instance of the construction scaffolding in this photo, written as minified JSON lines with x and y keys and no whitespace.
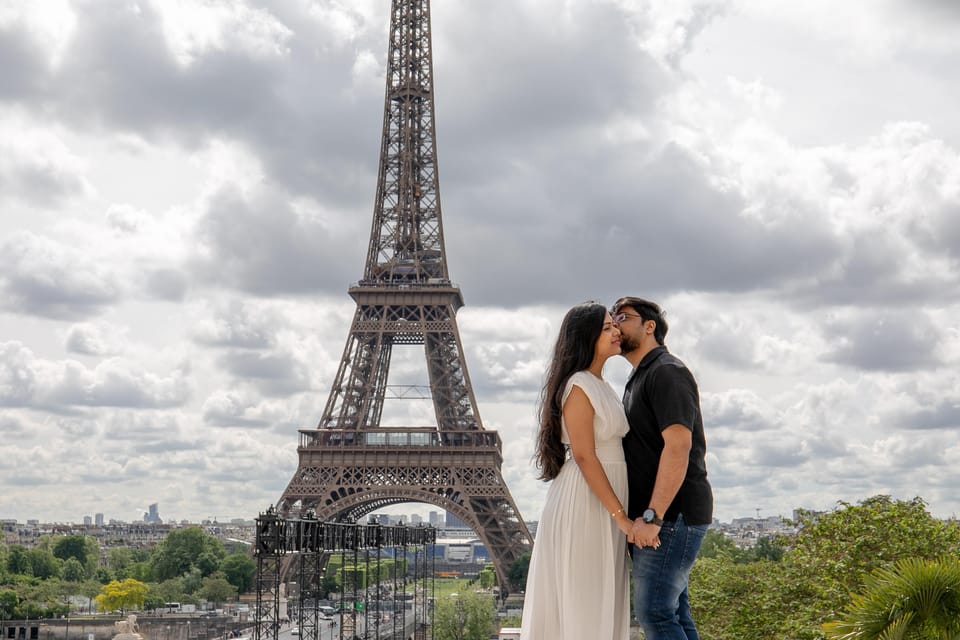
{"x":339,"y":581}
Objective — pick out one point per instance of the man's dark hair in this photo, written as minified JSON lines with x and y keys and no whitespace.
{"x":647,"y":311}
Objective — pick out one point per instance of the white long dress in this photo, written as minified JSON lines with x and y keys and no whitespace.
{"x":577,"y":584}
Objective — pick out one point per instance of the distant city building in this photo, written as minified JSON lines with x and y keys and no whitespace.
{"x":453,"y":522}
{"x":416,"y":518}
{"x":87,"y":520}
{"x":434,"y":519}
{"x":153,"y":514}
{"x":98,"y":519}
{"x":532,"y":527}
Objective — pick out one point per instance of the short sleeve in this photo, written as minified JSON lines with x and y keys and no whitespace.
{"x":674,"y":396}
{"x":579,"y":379}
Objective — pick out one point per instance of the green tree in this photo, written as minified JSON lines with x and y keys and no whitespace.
{"x":467,"y":616}
{"x":239,"y":570}
{"x":43,"y":563}
{"x":216,"y":589}
{"x":184,"y":549}
{"x":73,"y":570}
{"x":488,"y":576}
{"x":769,"y":548}
{"x":4,"y":558}
{"x":517,"y":573}
{"x":18,"y":561}
{"x":833,"y":552}
{"x":84,"y":548}
{"x":117,"y":595}
{"x":119,"y":560}
{"x":820,"y":566}
{"x":736,"y":600}
{"x":192,"y":580}
{"x":9,"y":601}
{"x":716,"y":545}
{"x":167,"y":591}
{"x":915,"y":599}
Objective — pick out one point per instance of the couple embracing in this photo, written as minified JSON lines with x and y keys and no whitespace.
{"x":597,"y":450}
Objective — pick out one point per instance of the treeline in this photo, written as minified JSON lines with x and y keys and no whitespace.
{"x":790,"y":586}
{"x":188,"y":566}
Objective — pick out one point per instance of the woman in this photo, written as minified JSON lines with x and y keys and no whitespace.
{"x":577,"y":585}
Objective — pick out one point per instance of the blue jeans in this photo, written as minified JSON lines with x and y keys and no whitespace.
{"x":660,"y":597}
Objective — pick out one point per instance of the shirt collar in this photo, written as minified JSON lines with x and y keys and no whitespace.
{"x":652,"y":355}
{"x":647,"y":360}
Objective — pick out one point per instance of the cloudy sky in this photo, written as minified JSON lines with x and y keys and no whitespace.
{"x":186,"y":191}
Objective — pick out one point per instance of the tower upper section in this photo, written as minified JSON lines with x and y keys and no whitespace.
{"x":406,"y":239}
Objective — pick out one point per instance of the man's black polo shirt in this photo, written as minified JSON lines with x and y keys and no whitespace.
{"x":661,"y":391}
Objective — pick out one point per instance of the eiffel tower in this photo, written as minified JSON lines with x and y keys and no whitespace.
{"x":350,"y":465}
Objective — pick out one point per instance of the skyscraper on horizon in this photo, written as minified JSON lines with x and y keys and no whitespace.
{"x":153,"y":514}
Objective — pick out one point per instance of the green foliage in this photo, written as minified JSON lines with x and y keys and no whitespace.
{"x":215,"y":588}
{"x":367,"y":572}
{"x":85,"y":549}
{"x":167,"y":591}
{"x":186,"y":549}
{"x":915,"y":599}
{"x":18,"y":561}
{"x":35,"y":597}
{"x":73,"y":570}
{"x":43,"y":563}
{"x":717,"y":545}
{"x":467,"y":616}
{"x":117,"y":595}
{"x":736,"y":599}
{"x":820,"y":566}
{"x":769,"y":548}
{"x":240,"y":571}
{"x":488,"y":576}
{"x":119,"y":560}
{"x":9,"y":600}
{"x":833,"y":552}
{"x":518,"y":571}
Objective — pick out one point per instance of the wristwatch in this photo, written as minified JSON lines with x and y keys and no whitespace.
{"x":650,"y":517}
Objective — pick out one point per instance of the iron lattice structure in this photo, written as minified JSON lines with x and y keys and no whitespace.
{"x":374,"y":602}
{"x":350,"y":465}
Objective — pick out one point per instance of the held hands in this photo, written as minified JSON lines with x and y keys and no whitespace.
{"x":643,"y":534}
{"x":625,"y":524}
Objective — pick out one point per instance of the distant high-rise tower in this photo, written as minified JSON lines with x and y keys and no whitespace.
{"x":87,"y":521}
{"x":453,"y":522}
{"x":351,"y":465}
{"x":98,"y":519}
{"x":153,"y":515}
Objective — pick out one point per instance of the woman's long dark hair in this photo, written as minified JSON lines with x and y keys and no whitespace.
{"x":574,"y":352}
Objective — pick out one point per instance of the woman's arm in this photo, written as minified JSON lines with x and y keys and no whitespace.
{"x":578,"y":414}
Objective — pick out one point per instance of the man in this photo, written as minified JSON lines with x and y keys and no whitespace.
{"x":670,"y":497}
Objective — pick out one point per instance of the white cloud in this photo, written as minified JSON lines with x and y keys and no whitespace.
{"x":36,"y":165}
{"x":187,"y":192}
{"x":63,"y":386}
{"x":95,"y":339}
{"x":195,"y":29}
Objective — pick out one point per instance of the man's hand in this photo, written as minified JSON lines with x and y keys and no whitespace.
{"x":644,"y":535}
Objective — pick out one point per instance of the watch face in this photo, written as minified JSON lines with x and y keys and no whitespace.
{"x":649,"y":515}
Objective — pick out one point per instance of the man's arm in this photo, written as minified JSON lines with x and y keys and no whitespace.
{"x":677,"y":441}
